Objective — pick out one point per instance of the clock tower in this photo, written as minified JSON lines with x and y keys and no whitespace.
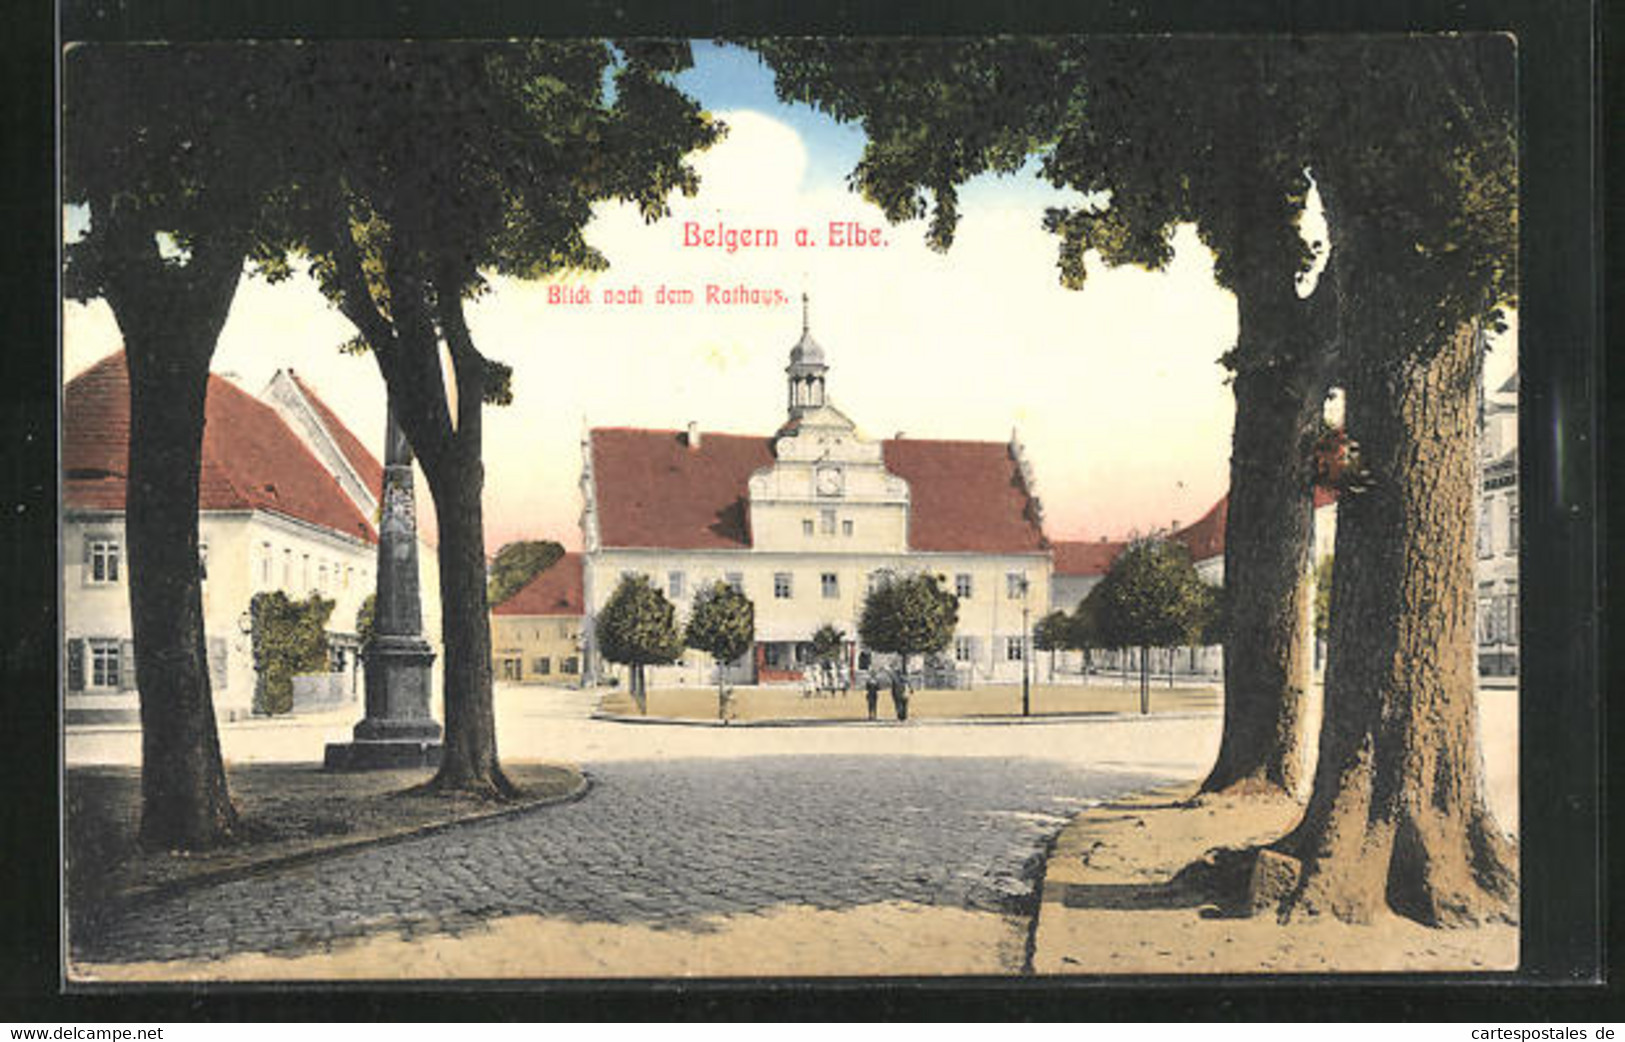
{"x":806,"y":370}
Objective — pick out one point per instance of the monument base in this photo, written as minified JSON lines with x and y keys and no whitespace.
{"x":381,"y":755}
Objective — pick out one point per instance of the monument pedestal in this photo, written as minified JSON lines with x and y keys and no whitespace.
{"x":397,"y":730}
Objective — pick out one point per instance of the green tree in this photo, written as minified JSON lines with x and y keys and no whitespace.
{"x":1083,"y":632}
{"x":364,"y":617}
{"x":1151,"y":597}
{"x":517,"y":564}
{"x":638,"y":627}
{"x":723,"y":624}
{"x":289,"y":638}
{"x":434,"y":167}
{"x":1323,"y":597}
{"x":172,"y":152}
{"x":907,"y":615}
{"x":1050,"y":634}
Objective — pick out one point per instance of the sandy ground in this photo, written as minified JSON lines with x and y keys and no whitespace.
{"x":891,"y":939}
{"x":1105,"y":910}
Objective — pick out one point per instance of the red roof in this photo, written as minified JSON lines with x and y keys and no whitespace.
{"x":556,"y":590}
{"x":654,"y":491}
{"x":1080,"y":558}
{"x":1205,"y":538}
{"x":251,"y":460}
{"x":965,"y":495}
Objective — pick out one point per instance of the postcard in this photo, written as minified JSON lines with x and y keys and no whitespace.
{"x":809,"y":507}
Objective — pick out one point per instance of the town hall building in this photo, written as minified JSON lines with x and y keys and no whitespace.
{"x":805,"y":520}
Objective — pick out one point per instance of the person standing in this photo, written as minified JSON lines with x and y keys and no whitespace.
{"x":872,"y":693}
{"x":899,"y":694}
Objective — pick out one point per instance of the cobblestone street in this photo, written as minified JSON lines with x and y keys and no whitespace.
{"x":663,"y":842}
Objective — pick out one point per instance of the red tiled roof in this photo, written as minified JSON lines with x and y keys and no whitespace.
{"x":556,"y":590}
{"x":1081,"y":558}
{"x":1205,"y":538}
{"x":654,"y":491}
{"x":366,"y":465}
{"x":964,"y":495}
{"x":251,"y":460}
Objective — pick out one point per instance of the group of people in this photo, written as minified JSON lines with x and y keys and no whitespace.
{"x":899,"y":694}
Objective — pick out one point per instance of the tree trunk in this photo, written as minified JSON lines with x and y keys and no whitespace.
{"x":1145,"y":681}
{"x":469,"y":759}
{"x":1269,"y":534}
{"x":1398,"y":815}
{"x":185,"y":803}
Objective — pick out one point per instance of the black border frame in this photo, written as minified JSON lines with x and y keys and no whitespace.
{"x":1562,"y":721}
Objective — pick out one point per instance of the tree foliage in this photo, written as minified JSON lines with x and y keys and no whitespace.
{"x":1050,"y":633}
{"x":722,"y":623}
{"x":637,"y":627}
{"x":289,"y":638}
{"x":1323,"y":597}
{"x":365,"y":617}
{"x":908,"y":615}
{"x":1151,"y":596}
{"x":432,"y":169}
{"x":516,"y":564}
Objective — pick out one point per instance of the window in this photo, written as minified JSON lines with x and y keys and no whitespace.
{"x":570,"y":666}
{"x":964,"y":649}
{"x":846,"y":527}
{"x":875,"y":579}
{"x":102,"y":555}
{"x":1486,"y":539}
{"x":736,"y":580}
{"x":510,"y":669}
{"x":265,"y":566}
{"x":541,"y":666}
{"x":807,"y":526}
{"x":202,"y":560}
{"x":1012,"y":649}
{"x":1512,"y":524}
{"x":1015,"y":585}
{"x":563,"y":628}
{"x":962,"y":586}
{"x":104,"y":663}
{"x":287,"y":569}
{"x":674,"y":584}
{"x":831,"y":584}
{"x":781,"y":585}
{"x":321,"y":577}
{"x":349,"y":574}
{"x":826,"y":522}
{"x":304,"y":571}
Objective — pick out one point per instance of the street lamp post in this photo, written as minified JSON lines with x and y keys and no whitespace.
{"x":1026,"y":668}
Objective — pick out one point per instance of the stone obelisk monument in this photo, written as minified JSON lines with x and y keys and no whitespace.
{"x":398,"y":730}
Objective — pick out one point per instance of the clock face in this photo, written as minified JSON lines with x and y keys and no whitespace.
{"x":829,"y":481}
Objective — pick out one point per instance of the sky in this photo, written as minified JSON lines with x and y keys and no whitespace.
{"x":1114,"y":390}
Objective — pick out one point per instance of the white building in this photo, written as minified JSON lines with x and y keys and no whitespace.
{"x":287,"y":495}
{"x":1498,"y":532}
{"x":805,"y":519}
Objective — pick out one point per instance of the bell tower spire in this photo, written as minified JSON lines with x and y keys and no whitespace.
{"x":806,"y":370}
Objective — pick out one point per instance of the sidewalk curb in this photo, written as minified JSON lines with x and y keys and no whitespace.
{"x":271,"y":866}
{"x":980,"y":721}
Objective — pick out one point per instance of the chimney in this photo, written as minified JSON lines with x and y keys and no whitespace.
{"x":693,"y":435}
